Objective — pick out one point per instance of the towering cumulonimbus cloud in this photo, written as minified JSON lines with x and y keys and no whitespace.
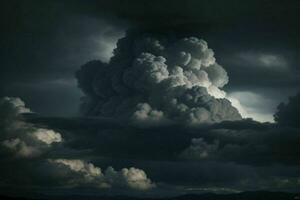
{"x":155,"y":80}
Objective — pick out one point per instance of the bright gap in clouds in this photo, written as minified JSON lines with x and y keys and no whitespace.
{"x":256,"y":106}
{"x":100,"y":37}
{"x":106,"y":42}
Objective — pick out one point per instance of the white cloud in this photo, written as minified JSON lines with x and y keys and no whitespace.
{"x":129,"y":177}
{"x":21,"y":138}
{"x":87,"y":173}
{"x":47,"y":136}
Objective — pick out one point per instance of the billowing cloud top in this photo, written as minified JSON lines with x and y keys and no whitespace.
{"x":156,"y":80}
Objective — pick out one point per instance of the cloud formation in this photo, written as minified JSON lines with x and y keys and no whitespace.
{"x":37,"y":152}
{"x":20,"y":138}
{"x":231,"y":154}
{"x":200,"y":149}
{"x":288,"y":114}
{"x":84,"y":173}
{"x":153,"y":78}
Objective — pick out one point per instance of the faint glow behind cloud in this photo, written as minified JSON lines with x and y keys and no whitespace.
{"x":263,"y":60}
{"x":105,"y":43}
{"x":256,"y":106}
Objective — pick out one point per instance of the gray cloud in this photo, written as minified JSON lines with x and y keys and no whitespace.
{"x":199,"y":149}
{"x":288,"y":113}
{"x":242,"y":142}
{"x":150,"y":79}
{"x":226,"y":156}
{"x":251,"y":147}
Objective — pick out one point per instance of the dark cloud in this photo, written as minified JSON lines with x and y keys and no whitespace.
{"x":169,"y":159}
{"x":238,"y":155}
{"x":287,"y":114}
{"x":33,"y":151}
{"x":152,"y":80}
{"x":191,"y":13}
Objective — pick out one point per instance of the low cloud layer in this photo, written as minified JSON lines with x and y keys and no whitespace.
{"x":20,"y":138}
{"x":36,"y":152}
{"x":226,"y":156}
{"x":200,"y":149}
{"x":83,"y":173}
{"x":153,"y":79}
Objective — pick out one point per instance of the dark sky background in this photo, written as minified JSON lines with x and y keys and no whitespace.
{"x":44,"y":43}
{"x":188,"y":141}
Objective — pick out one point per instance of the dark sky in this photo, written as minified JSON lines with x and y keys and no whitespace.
{"x":44,"y":43}
{"x":147,"y":109}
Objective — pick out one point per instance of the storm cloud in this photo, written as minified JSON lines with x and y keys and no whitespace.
{"x":168,"y":159}
{"x":152,"y":80}
{"x":287,"y":113}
